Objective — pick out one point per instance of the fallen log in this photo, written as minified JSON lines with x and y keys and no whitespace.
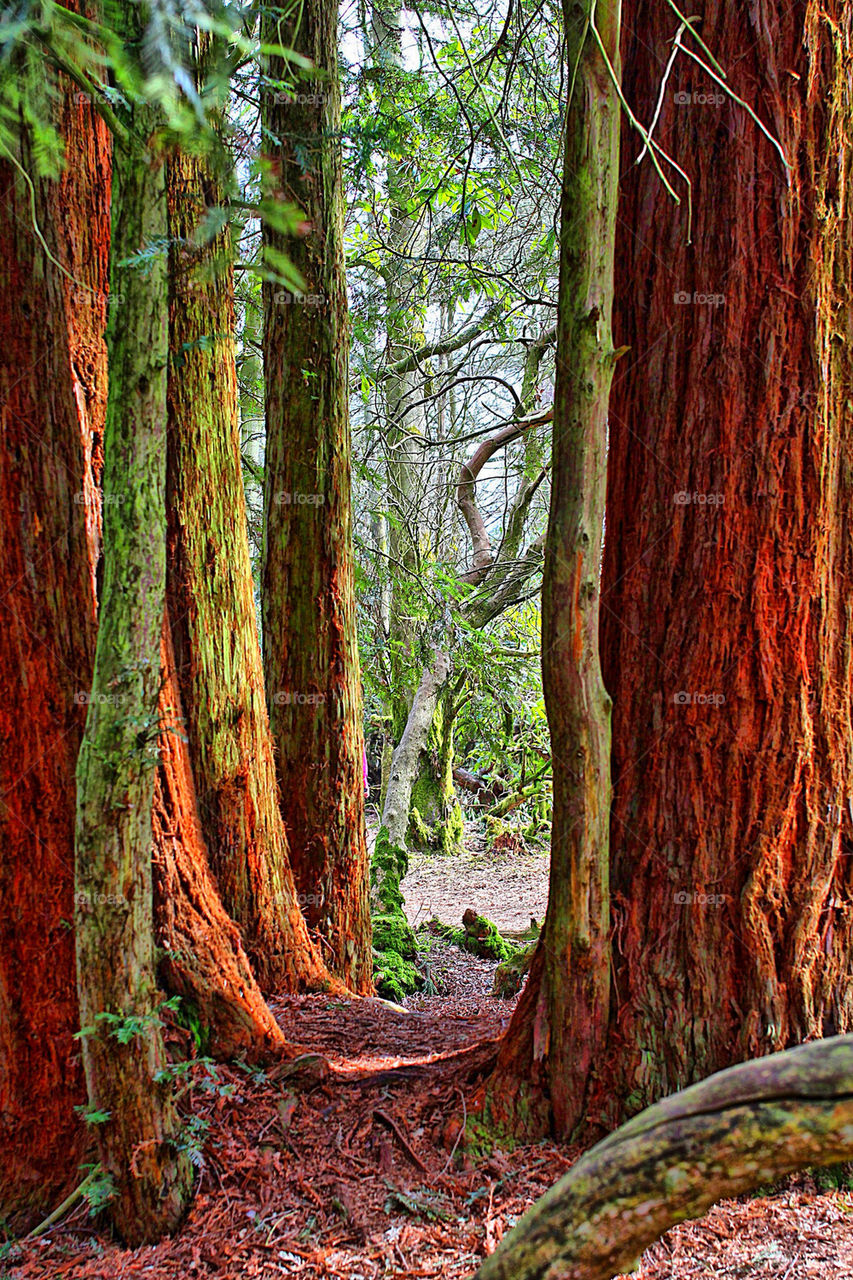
{"x":486,"y":792}
{"x":738,"y":1129}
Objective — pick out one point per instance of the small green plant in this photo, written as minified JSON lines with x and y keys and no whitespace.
{"x":421,"y":1202}
{"x":98,"y":1188}
{"x":92,"y":1115}
{"x":127,"y":1027}
{"x":193,"y":1137}
{"x":201,"y":1074}
{"x":834,"y":1177}
{"x":189,"y":1018}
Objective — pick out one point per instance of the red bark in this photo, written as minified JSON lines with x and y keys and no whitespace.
{"x":202,"y":957}
{"x":727,"y":592}
{"x":211,"y":596}
{"x":52,"y":398}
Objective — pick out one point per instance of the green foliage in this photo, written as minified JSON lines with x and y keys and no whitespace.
{"x":91,"y":1115}
{"x":189,"y":1018}
{"x":99,"y":1188}
{"x":833,"y":1177}
{"x":192,"y":1139}
{"x":419,"y":1202}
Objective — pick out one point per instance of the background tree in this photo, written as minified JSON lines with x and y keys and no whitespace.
{"x":310,"y":645}
{"x":451,"y":266}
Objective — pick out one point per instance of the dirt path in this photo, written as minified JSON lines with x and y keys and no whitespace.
{"x":508,"y":889}
{"x":353,"y":1179}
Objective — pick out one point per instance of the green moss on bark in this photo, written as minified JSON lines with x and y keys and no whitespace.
{"x":435,"y":817}
{"x":389,"y":866}
{"x":394,"y":977}
{"x":394,"y":933}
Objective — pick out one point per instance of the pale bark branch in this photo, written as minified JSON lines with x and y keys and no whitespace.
{"x":443,"y":346}
{"x":395,"y":814}
{"x":481,"y":545}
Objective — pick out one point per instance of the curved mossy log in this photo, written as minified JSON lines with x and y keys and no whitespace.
{"x":735,"y":1131}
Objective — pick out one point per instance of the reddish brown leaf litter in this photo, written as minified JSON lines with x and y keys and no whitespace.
{"x":791,"y":1236}
{"x":350,"y":1178}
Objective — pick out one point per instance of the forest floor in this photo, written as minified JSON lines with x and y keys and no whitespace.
{"x":508,"y":888}
{"x":354,"y":1178}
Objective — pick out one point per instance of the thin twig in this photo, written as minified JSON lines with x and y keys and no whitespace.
{"x":413,"y":1156}
{"x":742,"y":103}
{"x":643,"y":132}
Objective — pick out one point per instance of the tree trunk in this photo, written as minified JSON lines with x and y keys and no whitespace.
{"x":728,"y":575}
{"x":201,"y":955}
{"x":52,"y":398}
{"x":123,"y":1049}
{"x":389,"y":857}
{"x":212,"y":603}
{"x":309,"y":624}
{"x":403,"y":383}
{"x":556,"y":1037}
{"x":395,"y":814}
{"x":746,"y":1126}
{"x":436,"y":823}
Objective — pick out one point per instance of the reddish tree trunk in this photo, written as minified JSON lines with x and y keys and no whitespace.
{"x":202,"y":957}
{"x":212,"y":603}
{"x":728,"y":579}
{"x":52,"y":398}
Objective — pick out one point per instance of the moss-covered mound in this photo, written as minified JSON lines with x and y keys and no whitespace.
{"x":510,"y":974}
{"x":394,"y":977}
{"x":477,"y":935}
{"x":394,"y":933}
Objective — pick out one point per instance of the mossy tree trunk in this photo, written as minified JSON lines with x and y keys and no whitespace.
{"x":123,"y":1050}
{"x":404,"y":762}
{"x":554,"y":1042}
{"x":726,"y":632}
{"x":52,"y":401}
{"x":309,"y":623}
{"x":725,"y":1137}
{"x":435,"y":815}
{"x":211,"y":596}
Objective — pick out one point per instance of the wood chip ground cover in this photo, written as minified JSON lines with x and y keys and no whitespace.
{"x":353,"y":1179}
